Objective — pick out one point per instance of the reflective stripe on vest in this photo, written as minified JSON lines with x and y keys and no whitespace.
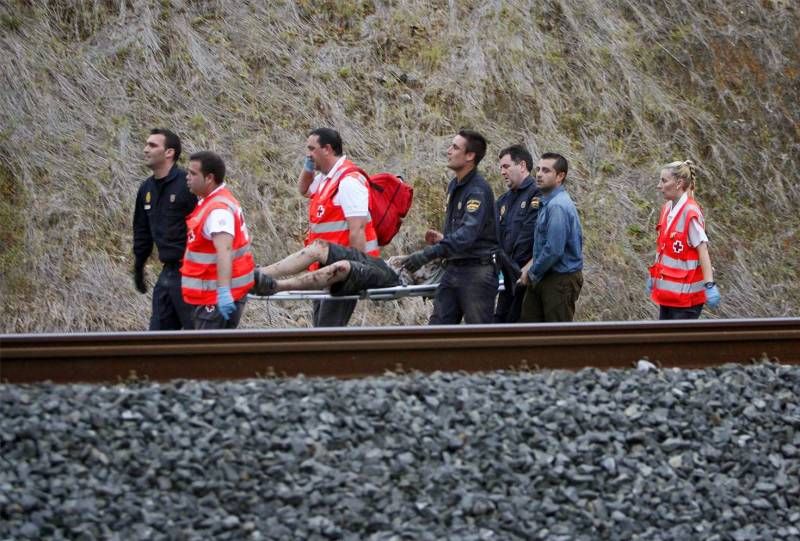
{"x":333,"y":227}
{"x":679,"y":287}
{"x":668,"y":261}
{"x":680,"y":227}
{"x":233,"y":207}
{"x":211,"y":285}
{"x":207,"y":259}
{"x":329,"y":227}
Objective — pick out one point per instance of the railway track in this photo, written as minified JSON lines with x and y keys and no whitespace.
{"x":358,"y":352}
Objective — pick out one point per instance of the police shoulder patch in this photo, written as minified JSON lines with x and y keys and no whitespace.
{"x":502,"y":210}
{"x":147,"y":197}
{"x":473,"y":205}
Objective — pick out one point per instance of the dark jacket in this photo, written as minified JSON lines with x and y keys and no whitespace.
{"x":470,"y":221}
{"x":160,"y":216}
{"x":517,"y":211}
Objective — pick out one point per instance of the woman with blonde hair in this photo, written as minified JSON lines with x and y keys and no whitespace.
{"x":681,"y":279}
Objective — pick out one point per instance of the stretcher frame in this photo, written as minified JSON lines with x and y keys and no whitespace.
{"x":379,"y":294}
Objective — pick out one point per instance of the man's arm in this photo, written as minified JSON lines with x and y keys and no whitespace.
{"x":478,"y":204}
{"x":358,"y":232}
{"x":142,"y":242}
{"x":223,"y":242}
{"x":353,"y":197}
{"x":523,"y":277}
{"x":142,"y":236}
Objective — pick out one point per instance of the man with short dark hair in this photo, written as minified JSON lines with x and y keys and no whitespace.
{"x":517,"y":210}
{"x":217,"y":270}
{"x":553,"y":279}
{"x":162,"y":204}
{"x":338,"y":210}
{"x":468,"y":245}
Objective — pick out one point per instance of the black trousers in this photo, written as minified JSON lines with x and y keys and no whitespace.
{"x":672,"y":312}
{"x":465,"y":292}
{"x":509,"y":304}
{"x":333,"y":313}
{"x":170,"y":312}
{"x":208,"y":317}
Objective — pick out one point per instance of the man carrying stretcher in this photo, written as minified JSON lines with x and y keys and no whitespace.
{"x":344,"y":270}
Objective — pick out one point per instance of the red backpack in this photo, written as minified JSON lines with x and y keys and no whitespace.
{"x":389,"y":201}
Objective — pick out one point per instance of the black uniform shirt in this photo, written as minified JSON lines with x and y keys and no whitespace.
{"x":160,"y":216}
{"x":517,"y":211}
{"x":470,"y":221}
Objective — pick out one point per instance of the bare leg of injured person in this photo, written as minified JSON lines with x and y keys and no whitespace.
{"x":316,"y":252}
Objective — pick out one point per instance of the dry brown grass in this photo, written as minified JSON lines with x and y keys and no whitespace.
{"x":619,"y":87}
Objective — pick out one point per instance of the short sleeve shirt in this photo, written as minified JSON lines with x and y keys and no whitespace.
{"x":697,"y":234}
{"x":218,"y":220}
{"x":352,"y":196}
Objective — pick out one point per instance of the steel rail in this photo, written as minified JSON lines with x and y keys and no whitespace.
{"x":357,"y":352}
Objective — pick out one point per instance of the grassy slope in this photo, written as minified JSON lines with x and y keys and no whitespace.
{"x":619,"y":87}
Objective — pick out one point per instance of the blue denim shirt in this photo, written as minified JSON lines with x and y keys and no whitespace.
{"x":558,"y":241}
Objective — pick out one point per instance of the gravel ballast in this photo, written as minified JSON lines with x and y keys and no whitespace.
{"x":712,"y":454}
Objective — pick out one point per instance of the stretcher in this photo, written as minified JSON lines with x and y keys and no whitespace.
{"x":380,"y":294}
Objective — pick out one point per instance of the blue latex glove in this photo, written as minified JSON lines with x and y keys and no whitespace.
{"x":308,"y":164}
{"x":225,"y":303}
{"x":712,"y":296}
{"x":649,"y":285}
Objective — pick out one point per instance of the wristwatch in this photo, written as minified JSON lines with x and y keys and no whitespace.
{"x":709,"y":285}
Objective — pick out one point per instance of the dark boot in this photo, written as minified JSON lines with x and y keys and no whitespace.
{"x":264,"y":285}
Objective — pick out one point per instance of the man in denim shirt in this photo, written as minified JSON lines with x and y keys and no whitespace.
{"x":553,"y":279}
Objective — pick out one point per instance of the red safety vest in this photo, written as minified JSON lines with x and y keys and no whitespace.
{"x":199,"y":269}
{"x":327,"y":220}
{"x":677,"y":276}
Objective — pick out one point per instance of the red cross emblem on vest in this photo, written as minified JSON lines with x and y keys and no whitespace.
{"x":677,"y":246}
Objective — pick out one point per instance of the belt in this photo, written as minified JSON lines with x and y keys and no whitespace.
{"x":469,"y":261}
{"x":172,"y":265}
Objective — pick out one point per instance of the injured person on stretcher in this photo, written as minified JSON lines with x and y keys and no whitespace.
{"x":343,"y":271}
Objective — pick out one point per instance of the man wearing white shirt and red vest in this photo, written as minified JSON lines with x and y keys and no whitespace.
{"x":217,"y":270}
{"x":338,"y":210}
